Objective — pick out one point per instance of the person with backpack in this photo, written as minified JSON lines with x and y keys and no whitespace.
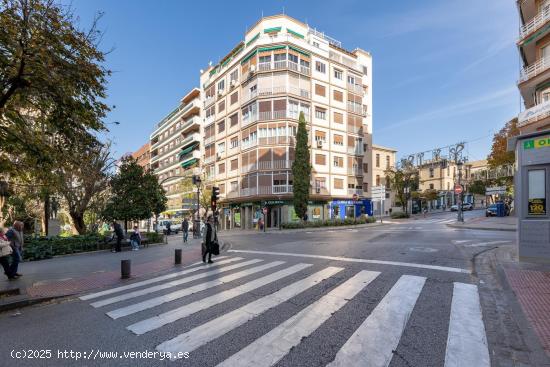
{"x":135,"y":239}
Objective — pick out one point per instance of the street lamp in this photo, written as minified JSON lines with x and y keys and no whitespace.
{"x":460,"y":217}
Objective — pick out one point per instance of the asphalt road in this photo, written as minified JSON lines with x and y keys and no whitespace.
{"x":405,"y":294}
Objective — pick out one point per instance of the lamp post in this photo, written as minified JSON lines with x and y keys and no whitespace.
{"x":460,"y":218}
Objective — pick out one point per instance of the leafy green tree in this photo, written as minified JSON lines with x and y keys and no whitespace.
{"x":134,"y":194}
{"x":301,"y":170}
{"x":52,"y":82}
{"x":401,"y":178}
{"x":499,"y":150}
{"x":477,"y":187}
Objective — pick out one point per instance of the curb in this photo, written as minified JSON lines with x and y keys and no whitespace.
{"x":481,"y":228}
{"x":25,"y":302}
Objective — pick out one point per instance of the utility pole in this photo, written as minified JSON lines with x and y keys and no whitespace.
{"x":460,"y":213}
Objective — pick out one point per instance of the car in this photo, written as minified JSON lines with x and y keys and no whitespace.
{"x":465,"y":206}
{"x":454,"y":208}
{"x":491,"y":210}
{"x":175,"y":227}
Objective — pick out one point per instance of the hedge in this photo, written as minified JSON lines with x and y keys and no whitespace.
{"x":38,"y":248}
{"x":328,"y":223}
{"x":399,"y":215}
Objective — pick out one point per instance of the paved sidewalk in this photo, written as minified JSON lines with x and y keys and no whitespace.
{"x":67,"y":275}
{"x":488,"y":223}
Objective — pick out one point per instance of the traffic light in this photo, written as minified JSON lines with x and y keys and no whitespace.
{"x":215,"y":197}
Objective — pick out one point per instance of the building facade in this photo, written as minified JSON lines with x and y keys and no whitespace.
{"x":143,"y":156}
{"x":383,"y":159}
{"x":252,"y":100}
{"x":175,"y":147}
{"x":534,"y":79}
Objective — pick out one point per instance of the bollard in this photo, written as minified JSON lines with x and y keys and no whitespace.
{"x":125,"y":269}
{"x":177,"y":257}
{"x":165,"y":239}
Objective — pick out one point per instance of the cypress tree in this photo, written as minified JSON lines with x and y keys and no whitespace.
{"x":301,"y":169}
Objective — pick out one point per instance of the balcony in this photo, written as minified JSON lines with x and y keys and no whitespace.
{"x":534,"y":114}
{"x":209,"y":140}
{"x":209,"y":100}
{"x":355,"y":88}
{"x":355,"y":171}
{"x":284,"y":65}
{"x":266,"y":165}
{"x":210,"y":159}
{"x":534,"y":24}
{"x":535,"y":69}
{"x":245,"y":144}
{"x":355,"y":108}
{"x":266,"y":92}
{"x":266,"y":190}
{"x":357,"y":150}
{"x":190,"y":123}
{"x":319,"y":191}
{"x":273,"y":140}
{"x":194,"y":154}
{"x":352,"y":192}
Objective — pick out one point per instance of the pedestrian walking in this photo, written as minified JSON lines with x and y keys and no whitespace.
{"x":5,"y":254}
{"x":168,"y":230}
{"x":119,"y":234}
{"x":185,"y":229}
{"x":17,"y":240}
{"x":135,"y":239}
{"x":210,"y":240}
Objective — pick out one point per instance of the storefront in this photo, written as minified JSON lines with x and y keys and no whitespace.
{"x":532,"y":190}
{"x":350,"y":209}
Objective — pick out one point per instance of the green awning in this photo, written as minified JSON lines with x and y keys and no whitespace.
{"x":213,"y":71}
{"x":189,"y":163}
{"x":249,"y":56}
{"x":188,"y":149}
{"x":271,"y":30}
{"x":253,"y":39}
{"x":271,"y":48}
{"x":295,"y":33}
{"x":227,"y":61}
{"x":299,"y":51}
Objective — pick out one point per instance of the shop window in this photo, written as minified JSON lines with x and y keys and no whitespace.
{"x":536,"y":186}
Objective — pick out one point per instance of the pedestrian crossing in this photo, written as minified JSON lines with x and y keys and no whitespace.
{"x":154,"y":305}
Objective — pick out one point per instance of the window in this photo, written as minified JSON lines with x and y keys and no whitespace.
{"x":280,"y":57}
{"x":338,"y":140}
{"x":320,"y":113}
{"x":293,"y":58}
{"x":320,"y":159}
{"x":351,"y":79}
{"x":221,"y":168}
{"x":233,"y":119}
{"x":431,"y":186}
{"x":365,"y":147}
{"x":234,"y":142}
{"x":338,"y":96}
{"x":234,"y":186}
{"x":221,"y":147}
{"x":234,"y":75}
{"x":387,"y":162}
{"x":338,"y":118}
{"x":338,"y":183}
{"x":320,"y":135}
{"x":377,"y":180}
{"x":365,"y":70}
{"x":234,"y":164}
{"x":320,"y":67}
{"x":221,"y":126}
{"x":234,"y":97}
{"x":221,"y":106}
{"x":222,"y":188}
{"x":320,"y":90}
{"x":366,"y":167}
{"x":338,"y":74}
{"x":536,"y":190}
{"x":316,"y":44}
{"x":265,"y":59}
{"x":377,"y":160}
{"x":221,"y":85}
{"x":338,"y":162}
{"x":431,"y":172}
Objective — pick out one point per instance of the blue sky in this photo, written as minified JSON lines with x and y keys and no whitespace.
{"x":444,"y":70}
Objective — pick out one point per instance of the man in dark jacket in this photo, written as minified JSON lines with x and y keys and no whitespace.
{"x":119,"y":234}
{"x":185,"y":229}
{"x":209,"y":238}
{"x":16,"y":238}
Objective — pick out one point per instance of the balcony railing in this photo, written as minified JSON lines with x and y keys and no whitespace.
{"x":355,"y":88}
{"x":535,"y":69}
{"x":266,"y":190}
{"x":355,"y":191}
{"x":249,"y":143}
{"x":277,"y":140}
{"x":355,"y":108}
{"x":320,"y":191}
{"x":535,"y":113}
{"x":209,"y":140}
{"x":355,"y":171}
{"x":283,"y":65}
{"x":209,"y":100}
{"x":357,"y":150}
{"x":210,"y":159}
{"x":534,"y":24}
{"x":267,"y":165}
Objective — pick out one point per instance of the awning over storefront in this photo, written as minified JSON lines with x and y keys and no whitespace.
{"x":189,"y":163}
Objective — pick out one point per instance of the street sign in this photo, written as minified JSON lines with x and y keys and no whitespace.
{"x":378,"y":193}
{"x":495,"y":190}
{"x":458,"y":189}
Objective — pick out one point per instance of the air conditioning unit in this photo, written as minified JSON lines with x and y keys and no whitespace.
{"x":252,"y":68}
{"x":220,"y":92}
{"x":319,"y":143}
{"x":233,"y":83}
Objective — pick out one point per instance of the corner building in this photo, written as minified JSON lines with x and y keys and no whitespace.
{"x":252,"y":100}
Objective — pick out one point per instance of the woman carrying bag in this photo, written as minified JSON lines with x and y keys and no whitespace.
{"x":210,"y":244}
{"x":5,"y":252}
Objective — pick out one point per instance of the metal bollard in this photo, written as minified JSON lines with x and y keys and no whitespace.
{"x":125,"y":269}
{"x":177,"y":256}
{"x":165,"y":239}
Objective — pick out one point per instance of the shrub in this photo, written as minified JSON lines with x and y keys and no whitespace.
{"x":328,"y":223}
{"x":399,"y":215}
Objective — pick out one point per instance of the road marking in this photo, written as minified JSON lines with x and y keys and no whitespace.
{"x":155,"y":322}
{"x":158,"y":279}
{"x":150,"y":303}
{"x":172,"y":283}
{"x":423,"y":249}
{"x":458,"y":242}
{"x":486,"y":243}
{"x":367,"y":261}
{"x":215,"y":328}
{"x":271,"y":347}
{"x":466,"y":341}
{"x":372,"y":344}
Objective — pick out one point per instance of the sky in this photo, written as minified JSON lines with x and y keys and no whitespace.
{"x":444,"y":71}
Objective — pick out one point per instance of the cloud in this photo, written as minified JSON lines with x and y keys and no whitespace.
{"x":483,"y":102}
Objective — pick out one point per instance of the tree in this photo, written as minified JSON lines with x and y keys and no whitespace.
{"x":135,"y":194}
{"x":52,"y":81}
{"x":301,"y":169}
{"x":82,"y":180}
{"x":499,"y":153}
{"x":477,"y":187}
{"x":401,"y":178}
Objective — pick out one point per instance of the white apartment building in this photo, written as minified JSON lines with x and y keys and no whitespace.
{"x":175,"y":150}
{"x":252,"y":100}
{"x":383,"y":159}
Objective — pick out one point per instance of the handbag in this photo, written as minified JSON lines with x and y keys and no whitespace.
{"x":5,"y":248}
{"x":215,"y":246}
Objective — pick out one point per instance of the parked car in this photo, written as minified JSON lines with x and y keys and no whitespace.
{"x":491,"y":210}
{"x":175,"y":227}
{"x":465,"y":206}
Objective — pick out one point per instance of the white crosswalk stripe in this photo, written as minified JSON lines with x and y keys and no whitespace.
{"x":173,"y":283}
{"x":371,"y":344}
{"x":225,"y":323}
{"x":270,"y":348}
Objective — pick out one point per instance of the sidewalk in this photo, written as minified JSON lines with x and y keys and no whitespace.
{"x":488,"y":223}
{"x":67,"y":275}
